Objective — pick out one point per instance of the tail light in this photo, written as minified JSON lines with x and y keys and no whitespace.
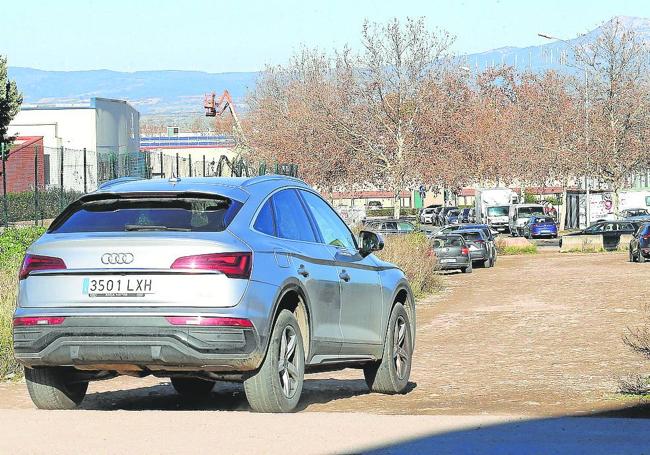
{"x":49,"y":320}
{"x":233,"y":265}
{"x":464,"y":251}
{"x":34,"y":262}
{"x":213,"y":322}
{"x":646,"y":237}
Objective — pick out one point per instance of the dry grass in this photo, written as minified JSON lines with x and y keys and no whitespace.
{"x":412,"y":253}
{"x":504,"y":249}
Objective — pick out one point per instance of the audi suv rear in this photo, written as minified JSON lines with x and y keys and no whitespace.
{"x":255,"y":280}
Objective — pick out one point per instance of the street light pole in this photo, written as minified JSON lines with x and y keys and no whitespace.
{"x":587,"y":183}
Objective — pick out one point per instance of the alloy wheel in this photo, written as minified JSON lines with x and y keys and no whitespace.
{"x":401,"y":347}
{"x":287,"y":369}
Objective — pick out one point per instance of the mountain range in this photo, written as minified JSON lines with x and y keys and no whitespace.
{"x":180,"y":93}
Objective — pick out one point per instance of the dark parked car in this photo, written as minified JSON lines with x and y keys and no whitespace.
{"x":467,"y":215}
{"x":610,"y":230}
{"x":481,"y":248}
{"x":391,"y":226}
{"x":453,"y":217}
{"x":640,"y":244}
{"x":636,"y":215}
{"x":489,"y":232}
{"x":452,"y":252}
{"x":442,"y":215}
{"x":540,"y":226}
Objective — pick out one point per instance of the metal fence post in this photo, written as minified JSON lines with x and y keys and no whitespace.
{"x":85,"y":172}
{"x":178,"y":170}
{"x":36,"y":185}
{"x":162,"y":169}
{"x":190,"y":156}
{"x":61,"y":179}
{"x":5,"y":202}
{"x":203,"y":165}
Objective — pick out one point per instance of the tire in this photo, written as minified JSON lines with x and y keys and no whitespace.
{"x":487,"y":263}
{"x":274,"y":388}
{"x":386,"y":376}
{"x":193,"y":388}
{"x":54,"y":388}
{"x":467,"y":269}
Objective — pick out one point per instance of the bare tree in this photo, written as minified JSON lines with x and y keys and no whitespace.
{"x":618,"y":104}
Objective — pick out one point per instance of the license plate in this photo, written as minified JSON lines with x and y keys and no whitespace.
{"x":445,"y":261}
{"x":116,"y":287}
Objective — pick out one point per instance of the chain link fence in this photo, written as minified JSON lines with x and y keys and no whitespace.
{"x":39,"y":182}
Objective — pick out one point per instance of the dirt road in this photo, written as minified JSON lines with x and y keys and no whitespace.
{"x":534,"y":336}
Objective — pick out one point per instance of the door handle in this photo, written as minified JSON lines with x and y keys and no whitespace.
{"x":344,"y":276}
{"x":303,"y":271}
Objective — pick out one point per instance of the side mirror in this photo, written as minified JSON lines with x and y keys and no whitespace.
{"x":370,"y":242}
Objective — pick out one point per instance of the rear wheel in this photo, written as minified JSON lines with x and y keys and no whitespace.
{"x":467,"y":269}
{"x":391,"y":374}
{"x":277,"y":385}
{"x":54,"y":387}
{"x":192,"y":387}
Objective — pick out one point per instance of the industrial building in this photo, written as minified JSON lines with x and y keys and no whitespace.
{"x":103,"y":133}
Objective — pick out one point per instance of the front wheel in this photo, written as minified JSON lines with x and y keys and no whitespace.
{"x":277,"y":385}
{"x":391,"y":374}
{"x":54,"y":387}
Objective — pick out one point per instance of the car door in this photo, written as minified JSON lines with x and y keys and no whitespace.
{"x":314,"y":267}
{"x":362,"y":304}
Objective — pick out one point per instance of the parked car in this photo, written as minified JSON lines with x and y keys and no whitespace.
{"x":452,"y":252}
{"x":453,"y":217}
{"x":610,"y":230}
{"x":467,"y":215}
{"x":481,"y":248}
{"x":635,"y":215}
{"x":428,"y":215}
{"x":391,"y":226}
{"x":254,"y":280}
{"x":639,"y":248}
{"x":442,"y":215}
{"x":489,"y":231}
{"x":375,"y":205}
{"x":540,"y":226}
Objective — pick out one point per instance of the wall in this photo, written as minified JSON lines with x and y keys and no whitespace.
{"x":117,"y":126}
{"x":20,"y":165}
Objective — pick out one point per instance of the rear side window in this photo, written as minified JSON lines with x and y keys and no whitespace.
{"x":290,"y":217}
{"x":148,"y":214}
{"x":265,"y":222}
{"x":471,"y":236}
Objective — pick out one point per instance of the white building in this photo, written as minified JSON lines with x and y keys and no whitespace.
{"x":108,"y":129}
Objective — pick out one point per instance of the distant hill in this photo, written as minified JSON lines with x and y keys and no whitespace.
{"x":180,"y":93}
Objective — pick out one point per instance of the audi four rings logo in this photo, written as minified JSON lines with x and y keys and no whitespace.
{"x":117,"y":258}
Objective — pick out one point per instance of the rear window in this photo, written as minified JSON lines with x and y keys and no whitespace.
{"x":149,"y":214}
{"x":471,"y":236}
{"x":447,"y":242}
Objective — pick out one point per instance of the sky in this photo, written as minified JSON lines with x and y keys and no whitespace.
{"x":246,"y":35}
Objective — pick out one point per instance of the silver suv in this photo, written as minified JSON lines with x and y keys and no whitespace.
{"x":255,"y":280}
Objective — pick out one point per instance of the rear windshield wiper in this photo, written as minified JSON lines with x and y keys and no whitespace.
{"x":138,"y":227}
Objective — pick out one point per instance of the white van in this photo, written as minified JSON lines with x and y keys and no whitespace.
{"x":519,"y":215}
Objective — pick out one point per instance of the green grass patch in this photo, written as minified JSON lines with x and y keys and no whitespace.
{"x":13,"y":243}
{"x":512,"y":250}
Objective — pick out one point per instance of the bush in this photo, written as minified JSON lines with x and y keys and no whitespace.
{"x":21,"y":205}
{"x":412,"y":254}
{"x":390,"y":212}
{"x":505,"y":249}
{"x":13,"y":243}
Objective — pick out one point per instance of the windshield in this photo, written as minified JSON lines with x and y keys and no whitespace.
{"x":637,"y":212}
{"x":527,"y":212}
{"x":154,"y":214}
{"x":498,"y":211}
{"x":543,"y":219}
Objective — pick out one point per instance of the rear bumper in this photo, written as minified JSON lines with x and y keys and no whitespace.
{"x":479,"y":255}
{"x":458,"y":263}
{"x":138,"y":342}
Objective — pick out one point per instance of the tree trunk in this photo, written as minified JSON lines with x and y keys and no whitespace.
{"x":398,"y":204}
